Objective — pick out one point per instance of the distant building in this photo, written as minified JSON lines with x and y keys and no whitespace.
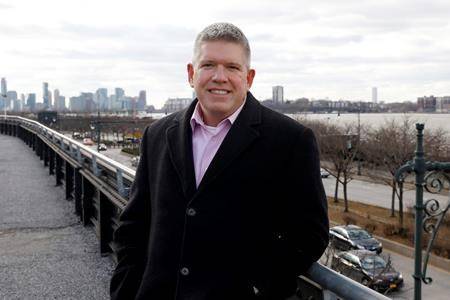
{"x":59,"y":101}
{"x":443,"y":104}
{"x":4,"y":88}
{"x":82,"y":103}
{"x":142,"y":101}
{"x":374,"y":95}
{"x":3,"y":100}
{"x":101,"y":99}
{"x":426,"y":104}
{"x":277,"y":94}
{"x":176,"y":104}
{"x":46,"y":95}
{"x":31,"y":101}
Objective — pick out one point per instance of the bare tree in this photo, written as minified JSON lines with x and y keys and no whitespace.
{"x":339,"y":146}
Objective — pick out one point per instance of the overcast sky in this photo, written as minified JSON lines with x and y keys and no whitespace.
{"x":337,"y":49}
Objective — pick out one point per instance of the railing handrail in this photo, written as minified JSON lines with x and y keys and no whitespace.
{"x":107,"y":162}
{"x":340,"y":285}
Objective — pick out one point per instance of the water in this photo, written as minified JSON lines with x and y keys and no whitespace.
{"x":432,"y":121}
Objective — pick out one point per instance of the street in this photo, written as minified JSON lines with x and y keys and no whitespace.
{"x":375,"y":193}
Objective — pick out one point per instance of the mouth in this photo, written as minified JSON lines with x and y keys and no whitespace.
{"x":219,"y":91}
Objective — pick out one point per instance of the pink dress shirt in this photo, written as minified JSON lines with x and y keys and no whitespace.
{"x":206,"y":140}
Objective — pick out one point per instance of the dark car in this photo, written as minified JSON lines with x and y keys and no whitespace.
{"x":368,"y":268}
{"x":353,"y":237}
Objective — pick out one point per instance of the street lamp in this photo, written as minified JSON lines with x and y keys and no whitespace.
{"x":96,"y":125}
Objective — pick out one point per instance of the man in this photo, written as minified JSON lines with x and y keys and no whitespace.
{"x":227,"y":202}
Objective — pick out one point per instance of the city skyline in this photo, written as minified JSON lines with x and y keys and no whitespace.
{"x":335,"y":50}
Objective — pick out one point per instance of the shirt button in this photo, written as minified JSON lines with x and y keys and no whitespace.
{"x":184,"y":271}
{"x":191,"y":212}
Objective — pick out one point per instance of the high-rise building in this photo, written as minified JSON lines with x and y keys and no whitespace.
{"x":11,"y":97}
{"x":101,"y":99}
{"x":4,"y":88}
{"x":59,"y":101}
{"x":277,"y":94}
{"x":31,"y":101}
{"x":45,"y":95}
{"x":142,"y":101}
{"x":374,"y":95}
{"x":3,"y":104}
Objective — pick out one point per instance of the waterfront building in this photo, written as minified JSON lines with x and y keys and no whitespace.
{"x":374,"y":95}
{"x":277,"y":94}
{"x":101,"y":99}
{"x":46,"y":95}
{"x":31,"y":101}
{"x":443,"y":104}
{"x":426,"y":104}
{"x":176,"y":104}
{"x":142,"y":101}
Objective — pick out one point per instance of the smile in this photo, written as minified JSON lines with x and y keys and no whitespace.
{"x":218,"y":92}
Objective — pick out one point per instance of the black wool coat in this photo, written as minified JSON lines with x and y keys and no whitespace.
{"x":257,"y":220}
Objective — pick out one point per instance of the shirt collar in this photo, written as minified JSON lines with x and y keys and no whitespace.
{"x":197,"y":118}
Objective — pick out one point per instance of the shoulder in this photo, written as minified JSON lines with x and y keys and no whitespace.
{"x":160,"y":126}
{"x":282,"y":124}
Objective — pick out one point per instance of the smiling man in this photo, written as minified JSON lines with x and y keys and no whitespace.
{"x":227,"y":202}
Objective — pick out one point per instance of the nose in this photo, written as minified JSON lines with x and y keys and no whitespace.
{"x":220,"y":74}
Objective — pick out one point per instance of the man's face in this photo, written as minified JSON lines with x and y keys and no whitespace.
{"x":220,"y":78}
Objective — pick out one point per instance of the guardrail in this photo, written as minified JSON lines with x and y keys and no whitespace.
{"x":99,"y":187}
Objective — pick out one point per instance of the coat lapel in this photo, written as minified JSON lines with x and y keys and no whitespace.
{"x":179,"y":141}
{"x":241,"y":135}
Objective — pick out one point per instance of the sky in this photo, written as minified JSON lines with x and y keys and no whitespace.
{"x":315,"y":49}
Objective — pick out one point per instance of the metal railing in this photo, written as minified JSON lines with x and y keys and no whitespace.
{"x":100,"y":188}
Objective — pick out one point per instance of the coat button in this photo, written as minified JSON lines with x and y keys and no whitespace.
{"x":184,"y":271}
{"x":191,"y":212}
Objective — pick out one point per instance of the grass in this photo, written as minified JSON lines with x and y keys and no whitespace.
{"x":378,"y":221}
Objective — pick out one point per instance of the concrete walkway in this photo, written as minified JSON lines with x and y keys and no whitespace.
{"x":45,"y":252}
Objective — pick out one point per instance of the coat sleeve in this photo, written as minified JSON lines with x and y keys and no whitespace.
{"x":308,"y":225}
{"x":131,"y":237}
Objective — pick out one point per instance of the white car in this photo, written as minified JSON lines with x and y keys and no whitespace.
{"x":324,"y":173}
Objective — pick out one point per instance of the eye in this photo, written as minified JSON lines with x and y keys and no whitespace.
{"x":207,"y":65}
{"x":233,"y":67}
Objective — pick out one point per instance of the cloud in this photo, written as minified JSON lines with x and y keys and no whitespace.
{"x":335,"y":41}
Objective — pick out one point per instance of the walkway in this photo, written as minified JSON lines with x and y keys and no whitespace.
{"x":45,"y":252}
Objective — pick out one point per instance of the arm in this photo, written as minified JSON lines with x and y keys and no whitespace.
{"x":131,"y":237}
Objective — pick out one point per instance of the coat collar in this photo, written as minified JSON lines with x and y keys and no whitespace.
{"x":179,"y":140}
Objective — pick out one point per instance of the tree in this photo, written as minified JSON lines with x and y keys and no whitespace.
{"x":339,"y":146}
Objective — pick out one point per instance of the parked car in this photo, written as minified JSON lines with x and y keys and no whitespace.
{"x":88,"y":142}
{"x":353,"y":237}
{"x":135,"y":161}
{"x":102,"y":147}
{"x":367,"y":268}
{"x":324,"y":173}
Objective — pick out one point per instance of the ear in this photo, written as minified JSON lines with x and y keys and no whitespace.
{"x":190,"y":71}
{"x":250,"y":76}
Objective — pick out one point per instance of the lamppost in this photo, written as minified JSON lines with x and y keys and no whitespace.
{"x":359,"y":137}
{"x":428,"y":215}
{"x":96,"y":125}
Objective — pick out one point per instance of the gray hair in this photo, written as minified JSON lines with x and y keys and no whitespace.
{"x":222,"y":32}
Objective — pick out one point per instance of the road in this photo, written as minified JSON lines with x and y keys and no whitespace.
{"x":375,"y":193}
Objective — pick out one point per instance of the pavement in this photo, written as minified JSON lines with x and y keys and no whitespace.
{"x":45,"y":252}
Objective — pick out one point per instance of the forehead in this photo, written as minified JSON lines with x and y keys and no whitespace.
{"x":222,"y":51}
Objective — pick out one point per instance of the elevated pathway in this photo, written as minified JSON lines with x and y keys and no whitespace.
{"x":45,"y":252}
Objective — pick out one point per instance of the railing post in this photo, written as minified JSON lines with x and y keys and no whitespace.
{"x":78,"y":191}
{"x":51,"y":158}
{"x":86,"y":203}
{"x":58,"y":169}
{"x":95,"y":169}
{"x":104,"y":215}
{"x":69,"y":181}
{"x":45,"y":150}
{"x":119,"y":179}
